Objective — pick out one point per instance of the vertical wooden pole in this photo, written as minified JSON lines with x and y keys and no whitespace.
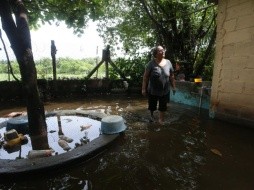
{"x":53,"y":55}
{"x":106,"y":74}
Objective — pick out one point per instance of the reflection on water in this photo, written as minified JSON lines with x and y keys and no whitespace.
{"x":76,"y":128}
{"x":176,"y":155}
{"x":80,"y":130}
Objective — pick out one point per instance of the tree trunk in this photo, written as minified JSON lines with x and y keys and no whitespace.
{"x":19,"y":37}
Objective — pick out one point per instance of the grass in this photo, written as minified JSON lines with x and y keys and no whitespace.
{"x":5,"y":76}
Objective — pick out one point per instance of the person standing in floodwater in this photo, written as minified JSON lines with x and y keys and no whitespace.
{"x":157,"y":78}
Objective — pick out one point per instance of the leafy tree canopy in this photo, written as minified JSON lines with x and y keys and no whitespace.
{"x":75,"y":13}
{"x":186,"y":28}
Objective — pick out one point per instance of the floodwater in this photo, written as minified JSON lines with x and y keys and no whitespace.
{"x":76,"y":130}
{"x":190,"y":151}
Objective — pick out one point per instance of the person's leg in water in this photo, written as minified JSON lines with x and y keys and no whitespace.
{"x":161,"y":117}
{"x":152,"y":118}
{"x":163,"y":100}
{"x":152,"y":106}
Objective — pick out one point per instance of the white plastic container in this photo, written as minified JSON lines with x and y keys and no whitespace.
{"x":39,"y":153}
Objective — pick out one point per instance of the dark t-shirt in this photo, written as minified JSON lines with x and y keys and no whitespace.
{"x":159,"y":84}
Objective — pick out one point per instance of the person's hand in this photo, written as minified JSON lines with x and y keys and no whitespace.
{"x":174,"y":91}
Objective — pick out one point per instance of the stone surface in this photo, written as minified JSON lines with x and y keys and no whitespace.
{"x":82,"y":153}
{"x":27,"y":166}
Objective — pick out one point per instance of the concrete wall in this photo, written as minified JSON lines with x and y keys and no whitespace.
{"x":192,"y":94}
{"x":232,"y":97}
{"x":12,"y":91}
{"x":188,"y":93}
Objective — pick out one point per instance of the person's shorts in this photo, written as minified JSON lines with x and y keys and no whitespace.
{"x":153,"y":101}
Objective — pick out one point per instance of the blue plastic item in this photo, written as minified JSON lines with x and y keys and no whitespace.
{"x":20,"y":124}
{"x":112,"y":124}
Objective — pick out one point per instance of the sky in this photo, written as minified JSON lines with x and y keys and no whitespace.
{"x":67,"y":43}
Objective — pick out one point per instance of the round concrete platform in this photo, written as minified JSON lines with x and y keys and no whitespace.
{"x":27,"y":166}
{"x":82,"y":153}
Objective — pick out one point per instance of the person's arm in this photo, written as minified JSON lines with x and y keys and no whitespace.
{"x":172,"y":81}
{"x":145,"y":82}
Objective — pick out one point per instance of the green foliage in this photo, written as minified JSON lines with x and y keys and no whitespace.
{"x":66,"y":68}
{"x":184,"y":27}
{"x":208,"y":72}
{"x":3,"y":67}
{"x":44,"y":68}
{"x":72,"y":66}
{"x":75,"y":13}
{"x":133,"y":69}
{"x":4,"y":70}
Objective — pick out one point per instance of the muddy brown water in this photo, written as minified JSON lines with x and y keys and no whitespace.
{"x":190,"y":151}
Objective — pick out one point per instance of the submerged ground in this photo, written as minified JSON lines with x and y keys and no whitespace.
{"x":190,"y":151}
